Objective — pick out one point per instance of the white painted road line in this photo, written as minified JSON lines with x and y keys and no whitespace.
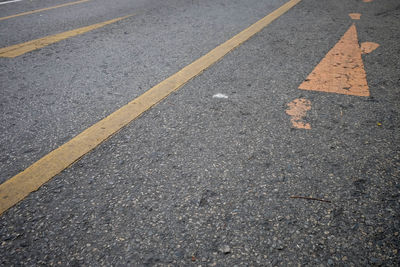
{"x":8,"y":2}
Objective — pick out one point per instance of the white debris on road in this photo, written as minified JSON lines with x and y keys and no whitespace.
{"x":220,"y":96}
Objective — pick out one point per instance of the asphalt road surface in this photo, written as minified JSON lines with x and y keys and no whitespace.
{"x":285,"y":152}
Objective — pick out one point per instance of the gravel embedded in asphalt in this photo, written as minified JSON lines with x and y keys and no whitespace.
{"x":199,"y":180}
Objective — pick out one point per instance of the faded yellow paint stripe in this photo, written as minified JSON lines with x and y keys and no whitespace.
{"x":42,"y":9}
{"x":22,"y":184}
{"x":20,"y":49}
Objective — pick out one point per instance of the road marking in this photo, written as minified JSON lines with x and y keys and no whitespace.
{"x":20,"y":49}
{"x":341,"y":71}
{"x":297,"y":109}
{"x":43,"y":9}
{"x":368,"y":47}
{"x":7,"y":2}
{"x":355,"y":16}
{"x":21,"y":185}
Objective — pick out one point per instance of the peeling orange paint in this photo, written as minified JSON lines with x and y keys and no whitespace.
{"x":297,"y":110}
{"x":368,"y":47}
{"x":355,"y":16}
{"x":367,"y":1}
{"x":341,"y":71}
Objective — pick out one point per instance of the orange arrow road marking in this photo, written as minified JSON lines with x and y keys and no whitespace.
{"x":341,"y":71}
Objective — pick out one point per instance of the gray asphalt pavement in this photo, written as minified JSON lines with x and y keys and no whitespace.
{"x":54,"y":93}
{"x":199,"y":180}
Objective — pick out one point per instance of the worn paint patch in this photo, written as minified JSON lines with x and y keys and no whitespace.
{"x":341,"y":71}
{"x":368,"y":47}
{"x":297,"y":109}
{"x":367,"y":1}
{"x":355,"y":16}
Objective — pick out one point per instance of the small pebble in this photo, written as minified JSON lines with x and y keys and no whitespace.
{"x":225,"y":249}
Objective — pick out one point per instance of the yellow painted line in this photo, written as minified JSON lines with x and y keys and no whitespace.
{"x":42,"y":9}
{"x":20,"y":49}
{"x":21,"y":185}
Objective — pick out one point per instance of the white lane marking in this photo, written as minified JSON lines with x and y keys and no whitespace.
{"x":11,"y":1}
{"x":220,"y":96}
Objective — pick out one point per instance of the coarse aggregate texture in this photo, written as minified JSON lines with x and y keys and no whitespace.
{"x":208,"y":181}
{"x":52,"y":94}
